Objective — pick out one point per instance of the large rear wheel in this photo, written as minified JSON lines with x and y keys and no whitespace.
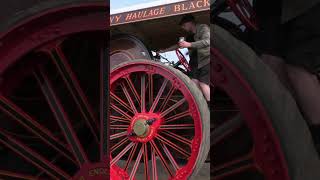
{"x":259,"y":132}
{"x":50,"y":92}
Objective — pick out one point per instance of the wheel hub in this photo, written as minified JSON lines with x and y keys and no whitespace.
{"x":141,"y":128}
{"x":144,"y":127}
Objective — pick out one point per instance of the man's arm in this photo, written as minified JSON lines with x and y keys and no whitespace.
{"x":204,"y":39}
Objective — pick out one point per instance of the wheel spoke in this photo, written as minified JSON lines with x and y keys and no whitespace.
{"x":118,"y":135}
{"x":176,"y":127}
{"x":133,"y":107}
{"x":114,"y":107}
{"x":143,"y":93}
{"x":174,"y":146}
{"x":120,"y":101}
{"x":136,"y":164}
{"x":74,"y":87}
{"x":170,"y":157}
{"x":119,"y":127}
{"x":31,"y":156}
{"x":29,"y":123}
{"x":119,"y":119}
{"x":122,"y":153}
{"x":225,"y":130}
{"x":155,"y":103}
{"x":115,"y":121}
{"x":133,"y":89}
{"x":154,"y":166}
{"x":150,"y":88}
{"x":52,"y":160}
{"x":173,"y":107}
{"x":61,"y":117}
{"x":164,"y":103}
{"x":119,"y":144}
{"x":163,"y":161}
{"x":178,"y":138}
{"x":133,"y":150}
{"x":146,"y":166}
{"x":15,"y":175}
{"x":177,"y":116}
{"x":235,"y":166}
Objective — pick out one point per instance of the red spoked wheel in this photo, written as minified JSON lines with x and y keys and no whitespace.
{"x":256,"y":120}
{"x":50,"y":92}
{"x":244,"y":11}
{"x":183,"y":60}
{"x":159,"y":122}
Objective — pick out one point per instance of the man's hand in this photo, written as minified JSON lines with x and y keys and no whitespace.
{"x":184,"y":44}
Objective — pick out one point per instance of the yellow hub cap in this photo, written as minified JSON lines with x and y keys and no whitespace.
{"x":140,"y":128}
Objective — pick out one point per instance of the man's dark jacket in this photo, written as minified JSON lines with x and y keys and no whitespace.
{"x":202,"y":44}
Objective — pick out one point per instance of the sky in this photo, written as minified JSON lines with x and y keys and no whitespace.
{"x":117,"y":4}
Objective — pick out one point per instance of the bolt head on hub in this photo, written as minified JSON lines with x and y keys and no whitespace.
{"x":140,"y":128}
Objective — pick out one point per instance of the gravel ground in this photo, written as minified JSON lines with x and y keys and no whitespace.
{"x":204,"y":173}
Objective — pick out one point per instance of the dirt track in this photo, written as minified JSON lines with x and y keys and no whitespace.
{"x":162,"y":175}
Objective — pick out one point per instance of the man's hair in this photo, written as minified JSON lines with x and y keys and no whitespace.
{"x":187,"y":18}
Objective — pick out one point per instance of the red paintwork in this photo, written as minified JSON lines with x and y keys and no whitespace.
{"x":183,"y":60}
